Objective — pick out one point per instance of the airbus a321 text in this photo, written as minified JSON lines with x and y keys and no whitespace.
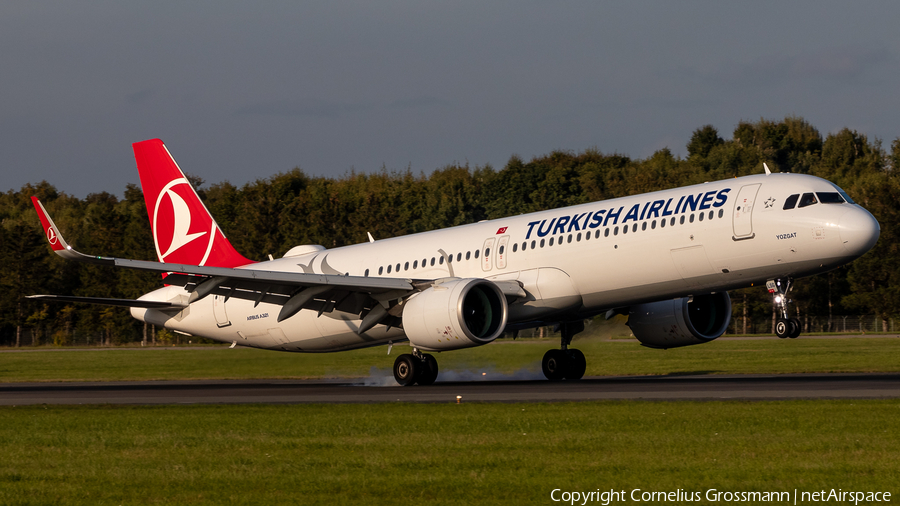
{"x":666,"y":259}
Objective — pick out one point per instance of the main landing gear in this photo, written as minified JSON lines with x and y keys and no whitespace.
{"x":565,"y":363}
{"x":784,"y":326}
{"x":415,"y":368}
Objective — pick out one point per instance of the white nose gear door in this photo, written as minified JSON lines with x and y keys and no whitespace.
{"x":743,"y":209}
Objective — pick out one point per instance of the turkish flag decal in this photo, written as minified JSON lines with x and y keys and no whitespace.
{"x":502,"y":231}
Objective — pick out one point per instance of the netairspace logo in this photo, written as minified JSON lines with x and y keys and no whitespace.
{"x":607,"y":497}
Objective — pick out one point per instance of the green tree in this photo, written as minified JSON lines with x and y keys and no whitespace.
{"x":703,"y":140}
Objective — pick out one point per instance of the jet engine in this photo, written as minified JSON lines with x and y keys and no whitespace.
{"x":454,"y":314}
{"x":681,"y":322}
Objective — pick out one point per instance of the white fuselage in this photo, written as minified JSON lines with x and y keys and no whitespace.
{"x":573,"y":262}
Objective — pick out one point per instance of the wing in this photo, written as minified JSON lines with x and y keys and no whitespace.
{"x":103,"y":301}
{"x":371,"y":296}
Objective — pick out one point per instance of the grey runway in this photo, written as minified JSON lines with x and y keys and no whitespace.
{"x":671,"y":388}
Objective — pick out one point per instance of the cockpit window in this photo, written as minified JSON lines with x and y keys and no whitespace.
{"x":844,"y":194}
{"x":830,"y":197}
{"x":791,"y":201}
{"x":807,"y":199}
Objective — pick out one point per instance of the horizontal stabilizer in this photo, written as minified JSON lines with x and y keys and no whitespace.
{"x":103,"y":301}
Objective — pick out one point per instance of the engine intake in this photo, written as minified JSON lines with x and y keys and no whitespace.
{"x":681,"y":322}
{"x":455,"y":314}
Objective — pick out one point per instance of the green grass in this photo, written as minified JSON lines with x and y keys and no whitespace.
{"x":605,"y":357}
{"x":439,"y":453}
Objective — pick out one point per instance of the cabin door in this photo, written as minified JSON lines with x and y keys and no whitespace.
{"x":219,"y":310}
{"x":743,"y":209}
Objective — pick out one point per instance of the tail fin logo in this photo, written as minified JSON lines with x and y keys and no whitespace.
{"x":51,"y":236}
{"x":174,"y":231}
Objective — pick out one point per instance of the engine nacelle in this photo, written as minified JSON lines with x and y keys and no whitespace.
{"x":455,"y":314}
{"x":681,"y":322}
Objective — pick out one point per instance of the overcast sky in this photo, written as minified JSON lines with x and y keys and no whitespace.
{"x":243,"y":90}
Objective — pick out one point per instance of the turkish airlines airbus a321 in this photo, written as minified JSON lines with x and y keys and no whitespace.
{"x":666,"y":259}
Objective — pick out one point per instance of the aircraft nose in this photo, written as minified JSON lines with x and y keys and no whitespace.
{"x":859,"y":231}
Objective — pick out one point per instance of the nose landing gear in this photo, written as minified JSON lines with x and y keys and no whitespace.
{"x":565,"y":363}
{"x":784,"y":326}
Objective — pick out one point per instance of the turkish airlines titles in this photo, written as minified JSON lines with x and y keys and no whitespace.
{"x":637,"y":212}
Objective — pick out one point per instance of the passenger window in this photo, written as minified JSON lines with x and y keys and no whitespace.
{"x":616,"y":231}
{"x":578,"y":237}
{"x":807,"y":199}
{"x":791,"y":201}
{"x":701,"y":216}
{"x":432,"y":261}
{"x":503,"y":248}
{"x":515,"y":247}
{"x":416,"y":264}
{"x":441,"y":260}
{"x":389,"y":269}
{"x":625,"y":229}
{"x":597,"y":233}
{"x":711,"y":215}
{"x":476,"y":254}
{"x":644,"y":226}
{"x":459,"y":257}
{"x":681,"y":221}
{"x":542,"y":243}
{"x":468,"y":255}
{"x":380,"y":270}
{"x":551,"y":241}
{"x":406,"y":266}
{"x":532,"y":245}
{"x":606,"y":233}
{"x":672,"y":223}
{"x":721,"y":213}
{"x":662,"y":223}
{"x":570,"y":238}
{"x":398,"y":268}
{"x":653,"y":225}
{"x":830,"y":197}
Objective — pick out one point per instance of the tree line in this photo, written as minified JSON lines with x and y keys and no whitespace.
{"x":271,"y":215}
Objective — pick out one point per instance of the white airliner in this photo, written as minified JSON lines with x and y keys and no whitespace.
{"x":666,"y":259}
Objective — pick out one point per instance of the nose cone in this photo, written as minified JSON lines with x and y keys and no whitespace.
{"x":859,"y":231}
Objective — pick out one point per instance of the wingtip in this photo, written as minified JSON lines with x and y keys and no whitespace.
{"x":51,"y":232}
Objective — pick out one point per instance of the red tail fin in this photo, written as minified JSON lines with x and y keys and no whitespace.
{"x":183,"y":230}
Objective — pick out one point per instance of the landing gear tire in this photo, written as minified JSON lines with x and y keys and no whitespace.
{"x":794,"y":328}
{"x":782,"y":328}
{"x":428,"y":370}
{"x":405,"y":368}
{"x":554,"y":364}
{"x":564,"y":364}
{"x":576,"y":365}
